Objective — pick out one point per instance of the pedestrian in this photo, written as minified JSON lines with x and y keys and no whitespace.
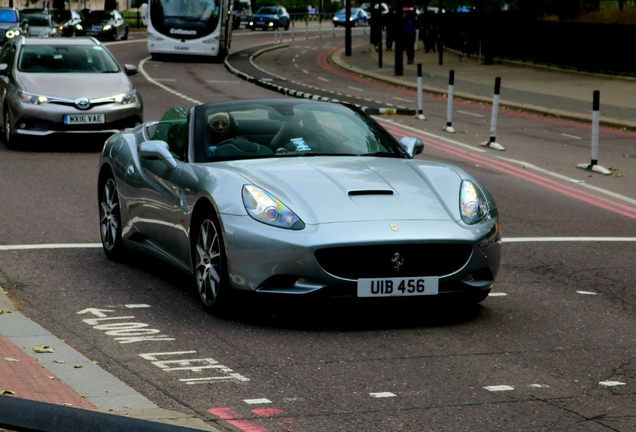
{"x":376,"y":27}
{"x":389,"y":19}
{"x":429,"y":31}
{"x":409,"y":35}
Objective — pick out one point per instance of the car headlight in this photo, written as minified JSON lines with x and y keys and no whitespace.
{"x":125,"y":99}
{"x":154,"y":37}
{"x":335,"y":18}
{"x":472,"y":203}
{"x":11,"y":33}
{"x":32,"y":98}
{"x":79,"y":27}
{"x":107,"y":27}
{"x":263,"y":207}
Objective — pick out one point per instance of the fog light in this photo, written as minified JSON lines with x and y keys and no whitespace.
{"x":22,"y":125}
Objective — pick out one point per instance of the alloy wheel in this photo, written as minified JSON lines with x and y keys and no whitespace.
{"x":209,"y":261}
{"x":109,"y":215}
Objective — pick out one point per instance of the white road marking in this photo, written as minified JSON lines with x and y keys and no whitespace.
{"x":571,"y":136}
{"x":166,"y":79}
{"x":306,"y":71}
{"x":539,"y":386}
{"x":325,"y":80}
{"x":382,"y":395}
{"x":586,"y":293}
{"x":137,"y":306}
{"x":583,"y":184}
{"x":402,"y":99}
{"x":51,"y":246}
{"x":504,"y":240}
{"x":611,"y":383}
{"x":355,"y":88}
{"x":257,"y":401}
{"x":470,"y":114}
{"x":224,"y":81}
{"x":162,"y":86}
{"x":567,"y":239}
{"x":498,"y":388}
{"x":497,"y":294}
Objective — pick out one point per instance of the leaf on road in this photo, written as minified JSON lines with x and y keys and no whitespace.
{"x":59,"y":361}
{"x":4,"y":392}
{"x":4,"y":311}
{"x":78,"y":366}
{"x":43,"y":349}
{"x":9,"y":359}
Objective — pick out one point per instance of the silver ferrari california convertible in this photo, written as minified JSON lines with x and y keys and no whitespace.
{"x":293,"y":196}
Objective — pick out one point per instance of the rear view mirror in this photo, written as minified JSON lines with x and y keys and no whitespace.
{"x":157,"y":150}
{"x":130,"y":69}
{"x":412,"y":145}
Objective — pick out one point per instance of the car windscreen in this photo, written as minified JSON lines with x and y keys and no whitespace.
{"x":38,"y":20}
{"x":62,"y":15}
{"x":288,"y":129}
{"x":267,"y":11}
{"x":99,"y":16}
{"x":8,"y":16}
{"x":66,"y":59}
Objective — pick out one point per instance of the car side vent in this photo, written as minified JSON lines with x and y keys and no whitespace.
{"x":370,"y":192}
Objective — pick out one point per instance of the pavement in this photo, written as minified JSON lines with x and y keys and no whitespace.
{"x":526,"y":87}
{"x":65,"y":377}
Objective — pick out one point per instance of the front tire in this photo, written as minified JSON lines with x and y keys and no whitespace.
{"x":10,"y":140}
{"x":210,"y":263}
{"x":110,"y":220}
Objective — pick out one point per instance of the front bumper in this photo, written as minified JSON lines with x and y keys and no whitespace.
{"x":272,"y":260}
{"x":48,"y":119}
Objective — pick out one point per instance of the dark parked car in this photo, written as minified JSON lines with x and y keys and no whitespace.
{"x":12,"y":24}
{"x":103,"y":25}
{"x":270,"y":17}
{"x":67,"y":20}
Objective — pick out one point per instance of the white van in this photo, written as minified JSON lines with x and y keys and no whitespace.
{"x":241,"y":11}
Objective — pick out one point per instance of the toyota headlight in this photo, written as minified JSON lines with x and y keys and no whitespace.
{"x":128,"y":98}
{"x":107,"y":27}
{"x":472,"y":203}
{"x":265,"y":208}
{"x":11,"y":33}
{"x":32,"y":98}
{"x":78,"y":27}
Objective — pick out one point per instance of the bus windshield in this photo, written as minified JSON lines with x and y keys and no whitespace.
{"x":185,"y":19}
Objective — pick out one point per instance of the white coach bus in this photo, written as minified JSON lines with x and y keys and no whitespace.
{"x":189,"y":27}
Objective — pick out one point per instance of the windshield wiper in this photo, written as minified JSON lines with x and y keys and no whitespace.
{"x":384,"y":154}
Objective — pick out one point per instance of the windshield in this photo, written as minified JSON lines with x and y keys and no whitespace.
{"x":38,"y":21}
{"x":62,"y":15}
{"x":66,"y":59}
{"x":100,"y":16}
{"x":267,"y":11}
{"x":288,"y":129}
{"x":7,"y":16}
{"x":185,"y":19}
{"x":344,"y":11}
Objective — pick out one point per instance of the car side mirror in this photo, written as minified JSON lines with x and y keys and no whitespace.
{"x":412,"y":145}
{"x":130,"y":69}
{"x":4,"y":69}
{"x":157,"y":150}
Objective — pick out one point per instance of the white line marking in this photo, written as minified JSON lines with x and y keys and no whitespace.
{"x":583,"y":184}
{"x":137,"y":306}
{"x":497,"y":294}
{"x":571,"y":136}
{"x":586,"y":293}
{"x":166,"y":79}
{"x":498,"y":388}
{"x":306,"y":71}
{"x":324,"y":79}
{"x":539,"y":386}
{"x":355,"y":88}
{"x":611,"y":383}
{"x":224,"y":81}
{"x":470,"y":114}
{"x":382,"y":395}
{"x":51,"y":246}
{"x":257,"y":401}
{"x":567,"y":239}
{"x":402,"y":99}
{"x":164,"y":87}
